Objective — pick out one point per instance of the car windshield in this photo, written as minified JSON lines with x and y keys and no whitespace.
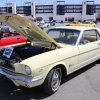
{"x":67,"y":36}
{"x":6,"y":29}
{"x":86,"y":22}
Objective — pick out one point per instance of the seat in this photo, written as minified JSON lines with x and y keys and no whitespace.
{"x":84,"y":40}
{"x":69,"y":38}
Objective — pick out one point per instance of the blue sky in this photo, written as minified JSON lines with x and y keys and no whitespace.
{"x":21,"y":2}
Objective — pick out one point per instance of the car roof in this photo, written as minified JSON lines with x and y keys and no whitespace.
{"x":80,"y":28}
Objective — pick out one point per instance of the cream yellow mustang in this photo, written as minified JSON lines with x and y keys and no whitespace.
{"x":47,"y":56}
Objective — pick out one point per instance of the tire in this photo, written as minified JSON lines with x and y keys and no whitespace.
{"x":52,"y":81}
{"x":53,"y":24}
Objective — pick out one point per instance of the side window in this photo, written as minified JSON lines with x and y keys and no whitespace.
{"x":89,"y":36}
{"x":98,"y":35}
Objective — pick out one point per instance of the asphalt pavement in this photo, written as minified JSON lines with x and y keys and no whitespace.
{"x":83,"y":84}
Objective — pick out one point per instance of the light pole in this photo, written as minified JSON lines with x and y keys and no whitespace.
{"x":37,"y":1}
{"x":51,"y":2}
{"x":7,"y":5}
{"x":73,"y":1}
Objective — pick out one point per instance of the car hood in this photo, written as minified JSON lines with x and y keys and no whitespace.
{"x":26,"y":28}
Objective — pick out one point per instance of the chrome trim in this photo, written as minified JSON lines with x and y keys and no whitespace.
{"x":21,"y":78}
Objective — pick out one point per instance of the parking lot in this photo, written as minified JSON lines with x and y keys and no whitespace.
{"x":83,"y":84}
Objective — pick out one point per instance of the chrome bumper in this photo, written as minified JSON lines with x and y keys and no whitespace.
{"x":21,"y":78}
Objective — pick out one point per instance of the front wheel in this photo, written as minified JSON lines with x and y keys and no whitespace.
{"x":52,"y":81}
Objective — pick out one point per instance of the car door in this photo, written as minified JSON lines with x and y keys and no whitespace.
{"x":11,"y":40}
{"x":89,"y":47}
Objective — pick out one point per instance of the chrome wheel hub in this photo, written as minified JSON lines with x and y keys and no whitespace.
{"x":56,"y":79}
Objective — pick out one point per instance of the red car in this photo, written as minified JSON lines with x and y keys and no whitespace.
{"x":9,"y":38}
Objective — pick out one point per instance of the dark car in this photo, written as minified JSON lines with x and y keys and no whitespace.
{"x":52,"y":23}
{"x":5,"y":28}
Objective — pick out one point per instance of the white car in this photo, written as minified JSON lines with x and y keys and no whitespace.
{"x":46,"y":24}
{"x":48,"y":56}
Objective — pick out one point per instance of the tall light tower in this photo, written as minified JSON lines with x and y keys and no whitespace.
{"x":7,"y":5}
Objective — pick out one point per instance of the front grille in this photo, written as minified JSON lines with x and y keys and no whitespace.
{"x":6,"y":63}
{"x":8,"y":68}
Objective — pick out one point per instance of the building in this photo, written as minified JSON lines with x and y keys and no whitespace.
{"x":59,"y":11}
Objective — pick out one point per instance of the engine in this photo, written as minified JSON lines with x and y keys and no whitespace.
{"x":18,"y":54}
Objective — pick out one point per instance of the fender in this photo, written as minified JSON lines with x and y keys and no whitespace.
{"x":54,"y":65}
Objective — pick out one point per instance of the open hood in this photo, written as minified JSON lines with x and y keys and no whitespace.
{"x":26,"y":28}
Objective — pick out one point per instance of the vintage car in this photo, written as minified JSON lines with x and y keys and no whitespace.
{"x":10,"y":38}
{"x":89,"y":24}
{"x":48,"y":56}
{"x":74,"y":24}
{"x":5,"y":28}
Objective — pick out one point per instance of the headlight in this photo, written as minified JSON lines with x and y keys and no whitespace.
{"x":28,"y":70}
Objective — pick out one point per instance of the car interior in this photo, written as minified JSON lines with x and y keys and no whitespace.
{"x":69,"y":38}
{"x":90,"y":38}
{"x":87,"y":38}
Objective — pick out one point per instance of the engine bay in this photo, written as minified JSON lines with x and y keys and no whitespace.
{"x":19,"y":53}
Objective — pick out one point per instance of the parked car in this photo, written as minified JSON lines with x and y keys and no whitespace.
{"x":5,"y":28}
{"x":48,"y":56}
{"x":41,"y":26}
{"x":8,"y":38}
{"x":52,"y":23}
{"x":88,"y":23}
{"x":46,"y":24}
{"x":95,"y":22}
{"x":68,"y":23}
{"x":74,"y":24}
